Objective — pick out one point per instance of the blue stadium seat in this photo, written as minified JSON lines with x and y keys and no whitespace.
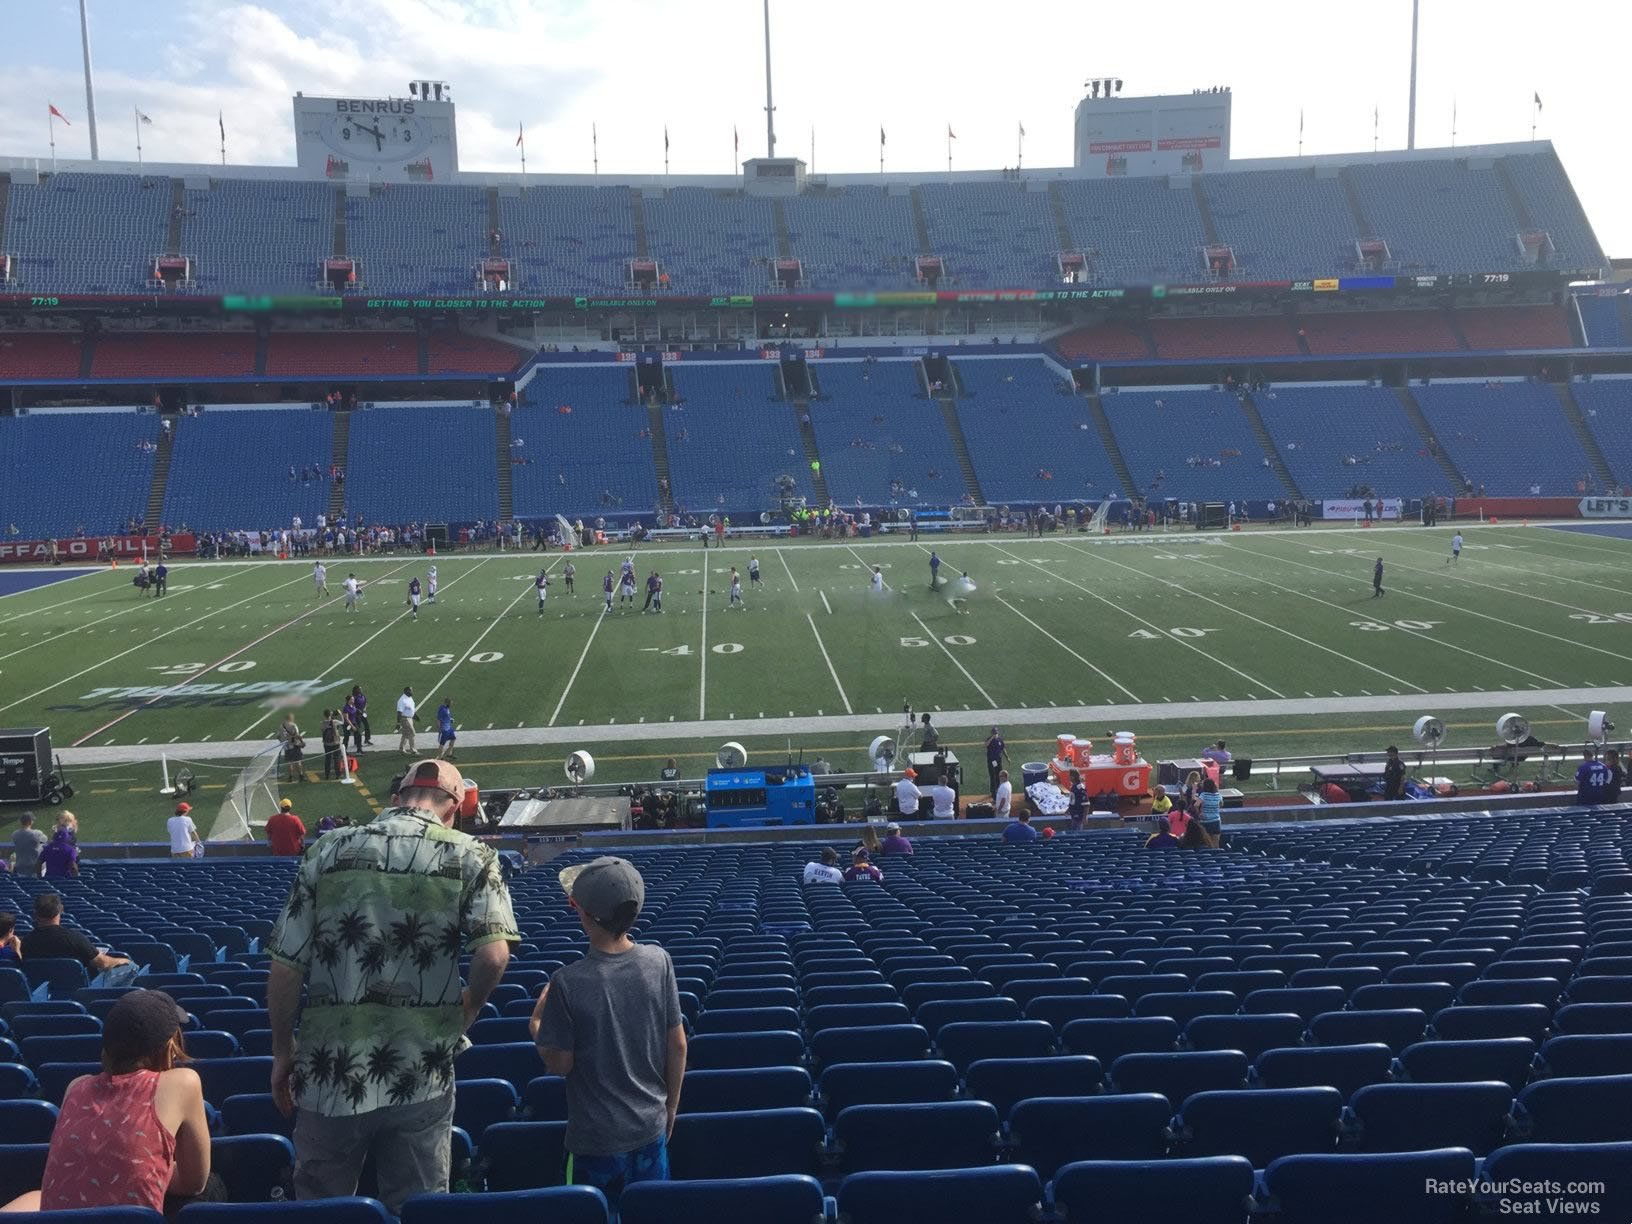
{"x":886,"y":1043}
{"x":1262,"y":1124}
{"x":764,"y":1200}
{"x":254,"y":1168}
{"x":917,"y":994}
{"x":515,"y":1061}
{"x":24,"y":1121}
{"x":1580,"y":1164}
{"x":478,"y":1103}
{"x":1006,"y":1081}
{"x":936,"y":1015}
{"x":1362,"y":1189}
{"x":1177,"y":1075}
{"x":1575,"y":1018}
{"x":1053,"y":1131}
{"x":211,"y":1043}
{"x":822,"y":996}
{"x":27,"y":1023}
{"x":720,"y":1051}
{"x":1107,"y":1040}
{"x":1426,"y":997}
{"x":1596,"y":1109}
{"x":727,"y":1091}
{"x":60,"y":976}
{"x":752,"y":1143}
{"x":1204,"y":1190}
{"x":523,"y":1155}
{"x":22,"y":1168}
{"x":964,"y":1042}
{"x":854,"y":1015}
{"x":355,"y":1210}
{"x":1060,"y":1010}
{"x":1346,"y":1068}
{"x":1185,"y":1005}
{"x":1252,"y":1035}
{"x":558,"y":1205}
{"x":1577,"y":1054}
{"x":883,"y":1083}
{"x":945,"y":1135}
{"x":749,"y":1020}
{"x":504,"y":1030}
{"x":1599,"y":990}
{"x":85,"y":1047}
{"x":1000,"y":1194}
{"x":56,"y":1076}
{"x":254,"y":1113}
{"x":1530,"y":1020}
{"x":14,"y":986}
{"x":1507,"y":1059}
{"x":1414,"y":1117}
{"x":1306,"y":1001}
{"x":1543,"y":990}
{"x":1396,"y":1028}
{"x":225,"y":1077}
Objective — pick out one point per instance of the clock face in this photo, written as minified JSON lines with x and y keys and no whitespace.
{"x":376,"y":137}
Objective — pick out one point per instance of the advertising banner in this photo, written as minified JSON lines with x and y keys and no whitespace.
{"x":1605,"y":507}
{"x":124,"y":547}
{"x":1350,"y":508}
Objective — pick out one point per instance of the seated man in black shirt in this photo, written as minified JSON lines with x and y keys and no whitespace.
{"x":50,"y":938}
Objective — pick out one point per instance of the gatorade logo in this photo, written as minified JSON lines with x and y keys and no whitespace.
{"x":1131,"y":781}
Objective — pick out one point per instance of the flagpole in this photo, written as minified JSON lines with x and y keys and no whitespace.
{"x":595,"y":147}
{"x":1375,"y":120}
{"x":1453,"y":123}
{"x":221,"y":122}
{"x":1535,"y":109}
{"x":1411,"y":116}
{"x":949,"y":148}
{"x":137,"y":115}
{"x":90,"y":91}
{"x":51,"y":128}
{"x":881,"y":150}
{"x":1300,"y":131}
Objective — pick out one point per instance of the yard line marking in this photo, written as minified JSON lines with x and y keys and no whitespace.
{"x":1147,"y":624}
{"x":827,"y":605}
{"x":1348,"y":658}
{"x":822,"y":646}
{"x":702,"y":664}
{"x":789,"y":568}
{"x":140,"y":645}
{"x":1484,"y":563}
{"x":1424,"y":598}
{"x":81,"y":629}
{"x":494,"y":624}
{"x":1115,"y":683}
{"x":64,"y":603}
{"x":335,"y":666}
{"x":600,"y":617}
{"x":933,"y":637}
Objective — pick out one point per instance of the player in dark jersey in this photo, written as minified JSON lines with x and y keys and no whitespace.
{"x":568,"y":573}
{"x":1377,"y":579}
{"x":542,"y":585}
{"x":413,"y":597}
{"x":606,"y":589}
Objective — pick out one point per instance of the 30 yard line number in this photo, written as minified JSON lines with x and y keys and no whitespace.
{"x":443,"y":660}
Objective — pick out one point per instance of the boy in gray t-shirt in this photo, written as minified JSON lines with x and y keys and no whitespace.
{"x":27,"y":842}
{"x":611,"y":1025}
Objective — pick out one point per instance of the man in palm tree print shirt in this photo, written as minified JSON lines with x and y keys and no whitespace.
{"x":374,"y":926}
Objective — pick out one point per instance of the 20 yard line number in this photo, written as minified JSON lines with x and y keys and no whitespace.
{"x":187,"y":669}
{"x":1594,"y":618}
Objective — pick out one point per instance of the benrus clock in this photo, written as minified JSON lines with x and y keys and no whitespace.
{"x":397,"y":140}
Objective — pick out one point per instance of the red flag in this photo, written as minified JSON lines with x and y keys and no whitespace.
{"x":520,"y":135}
{"x":57,"y":113}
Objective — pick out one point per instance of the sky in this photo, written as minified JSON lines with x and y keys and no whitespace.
{"x":842,"y":69}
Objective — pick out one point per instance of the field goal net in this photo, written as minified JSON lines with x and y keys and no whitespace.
{"x":565,"y":532}
{"x":250,"y":799}
{"x":1102,"y":518}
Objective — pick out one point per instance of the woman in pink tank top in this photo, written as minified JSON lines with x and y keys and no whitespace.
{"x":136,"y":1132}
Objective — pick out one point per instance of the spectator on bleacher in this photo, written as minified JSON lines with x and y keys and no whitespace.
{"x":50,"y":939}
{"x":1163,"y":838}
{"x":1160,"y":804}
{"x":11,"y":944}
{"x":894,"y":842}
{"x":1190,"y":796}
{"x":826,"y":871}
{"x":60,"y":858}
{"x":1591,"y":778}
{"x":136,"y":1134}
{"x":1019,"y":829}
{"x":26,"y":844}
{"x":610,"y":1024}
{"x":1617,"y":776}
{"x":1196,"y":837}
{"x":861,"y":868}
{"x":285,"y":831}
{"x":1212,"y":803}
{"x":1216,"y":752}
{"x":379,"y":952}
{"x":183,"y":832}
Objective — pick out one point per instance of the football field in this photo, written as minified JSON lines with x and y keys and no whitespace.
{"x":1207,"y":635}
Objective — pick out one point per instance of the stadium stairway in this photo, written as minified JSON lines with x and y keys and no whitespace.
{"x":1249,"y":409}
{"x":920,"y":223}
{"x":506,"y":470}
{"x":813,"y":454}
{"x":339,"y":243}
{"x":1521,"y":211}
{"x":1362,"y":223}
{"x":660,"y":454}
{"x":1454,"y":322}
{"x":1062,"y":223}
{"x":161,"y":477}
{"x":784,"y":240}
{"x":495,"y":243}
{"x":960,"y":447}
{"x":1437,"y":450}
{"x":1208,"y":227}
{"x":178,"y":209}
{"x":340,"y":451}
{"x":1602,"y":472}
{"x":5,"y":197}
{"x":1107,"y":438}
{"x":637,"y":224}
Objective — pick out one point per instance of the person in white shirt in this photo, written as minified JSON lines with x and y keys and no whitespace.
{"x":351,"y":589}
{"x":907,"y":794}
{"x":320,"y":580}
{"x":878,"y":579}
{"x":1456,"y":547}
{"x":736,"y":589}
{"x":430,"y":584}
{"x":825,"y":872}
{"x":1004,"y":796}
{"x":406,"y":709}
{"x":946,"y":801}
{"x":183,"y":832}
{"x":541,"y":584}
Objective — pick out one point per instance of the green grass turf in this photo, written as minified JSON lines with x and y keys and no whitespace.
{"x":1067,"y":621}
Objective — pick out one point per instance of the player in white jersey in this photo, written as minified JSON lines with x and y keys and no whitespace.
{"x":541,"y":584}
{"x":1456,"y":549}
{"x":753,"y":570}
{"x":568,"y":573}
{"x":878,"y":579}
{"x":736,"y":589}
{"x":320,"y":580}
{"x":351,"y":593}
{"x":430,"y":585}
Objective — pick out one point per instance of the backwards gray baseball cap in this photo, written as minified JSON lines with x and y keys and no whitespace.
{"x":603,"y":886}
